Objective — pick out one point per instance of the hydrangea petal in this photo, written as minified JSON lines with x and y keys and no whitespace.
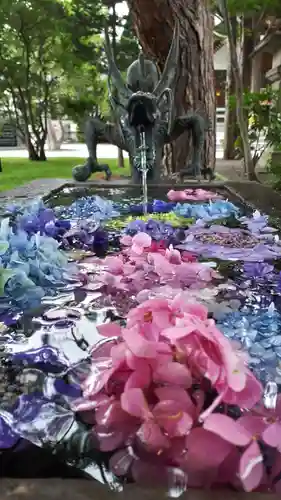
{"x":251,"y":467}
{"x":227,"y":429}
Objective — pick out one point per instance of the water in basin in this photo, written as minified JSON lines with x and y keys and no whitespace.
{"x":86,"y":259}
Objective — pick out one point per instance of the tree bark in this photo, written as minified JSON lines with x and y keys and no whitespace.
{"x":248,"y":43}
{"x":112,"y":4}
{"x":32,"y":154}
{"x":230,"y":124}
{"x":36,"y":151}
{"x":42,"y":154}
{"x":121,"y":163}
{"x":242,"y":122}
{"x":154,"y":23}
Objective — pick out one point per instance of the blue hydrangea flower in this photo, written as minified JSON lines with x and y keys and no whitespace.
{"x":90,"y":207}
{"x":31,"y":264}
{"x":207,"y":211}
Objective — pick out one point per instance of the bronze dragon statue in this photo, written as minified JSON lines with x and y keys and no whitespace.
{"x":142,"y":105}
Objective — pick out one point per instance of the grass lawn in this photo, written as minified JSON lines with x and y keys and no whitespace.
{"x":18,"y":171}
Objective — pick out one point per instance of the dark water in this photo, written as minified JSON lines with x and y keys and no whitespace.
{"x":129,"y":195}
{"x":75,"y":453}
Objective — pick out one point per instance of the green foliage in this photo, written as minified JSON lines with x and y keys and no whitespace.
{"x":274,"y":169}
{"x":81,"y":93}
{"x":32,"y":46}
{"x":52,"y":62}
{"x":264,"y":121}
{"x":127,"y":47}
{"x":85,"y":22}
{"x":249,"y":7}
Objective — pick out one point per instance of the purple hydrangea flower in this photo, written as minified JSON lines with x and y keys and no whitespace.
{"x":258,"y":270}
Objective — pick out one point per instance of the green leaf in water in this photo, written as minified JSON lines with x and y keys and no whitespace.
{"x":5,"y":275}
{"x":4,"y":245}
{"x":169,"y":218}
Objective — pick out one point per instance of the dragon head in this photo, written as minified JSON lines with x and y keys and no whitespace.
{"x":144,"y":90}
{"x":142,"y":109}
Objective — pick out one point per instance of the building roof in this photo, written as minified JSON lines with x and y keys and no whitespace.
{"x":218,"y":44}
{"x":271,"y":43}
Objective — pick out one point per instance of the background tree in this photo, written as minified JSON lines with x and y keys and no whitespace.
{"x":43,"y":45}
{"x":84,"y":92}
{"x":31,"y":48}
{"x":81,"y":94}
{"x":154,"y":22}
{"x":237,"y":74}
{"x":124,"y":47}
{"x":249,"y":20}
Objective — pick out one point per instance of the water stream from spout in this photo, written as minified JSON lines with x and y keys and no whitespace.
{"x":144,"y":169}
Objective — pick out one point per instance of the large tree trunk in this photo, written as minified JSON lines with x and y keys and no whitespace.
{"x":154,"y":23}
{"x":121,"y":163}
{"x":248,"y":43}
{"x":242,"y":121}
{"x":231,"y":131}
{"x":32,"y":154}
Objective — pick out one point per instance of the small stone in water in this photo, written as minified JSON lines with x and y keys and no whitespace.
{"x":257,"y":350}
{"x":266,"y":333}
{"x":276,"y":341}
{"x":252,"y":334}
{"x":243,"y":324}
{"x":246,"y":342}
{"x":269,"y":357}
{"x":58,"y":314}
{"x":278,"y":352}
{"x":254,"y":361}
{"x":64,"y":323}
{"x":266,"y":343}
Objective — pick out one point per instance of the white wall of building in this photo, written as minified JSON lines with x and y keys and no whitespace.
{"x":221,"y":58}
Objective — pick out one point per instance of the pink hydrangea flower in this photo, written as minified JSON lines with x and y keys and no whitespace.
{"x":244,"y":433}
{"x":147,"y":398}
{"x":192,"y":195}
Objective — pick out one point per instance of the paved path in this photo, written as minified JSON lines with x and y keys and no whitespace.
{"x":76,"y":150}
{"x":79,"y":150}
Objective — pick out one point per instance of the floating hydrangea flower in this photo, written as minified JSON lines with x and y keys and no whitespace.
{"x":258,"y":331}
{"x":192,"y":195}
{"x":90,"y":207}
{"x":207,"y":211}
{"x":35,"y":263}
{"x":258,"y":270}
{"x":156,"y":230}
{"x":224,"y":243}
{"x":84,"y":235}
{"x":156,"y":206}
{"x":145,"y":394}
{"x":156,"y":342}
{"x":258,"y":223}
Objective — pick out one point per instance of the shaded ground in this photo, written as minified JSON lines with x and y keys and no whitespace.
{"x":229,"y":169}
{"x":233,"y":171}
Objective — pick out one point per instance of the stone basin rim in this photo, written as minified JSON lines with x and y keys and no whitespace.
{"x":228,"y":186}
{"x":83,"y":489}
{"x":124,"y":184}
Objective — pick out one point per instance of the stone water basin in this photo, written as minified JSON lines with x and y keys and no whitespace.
{"x":48,"y":349}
